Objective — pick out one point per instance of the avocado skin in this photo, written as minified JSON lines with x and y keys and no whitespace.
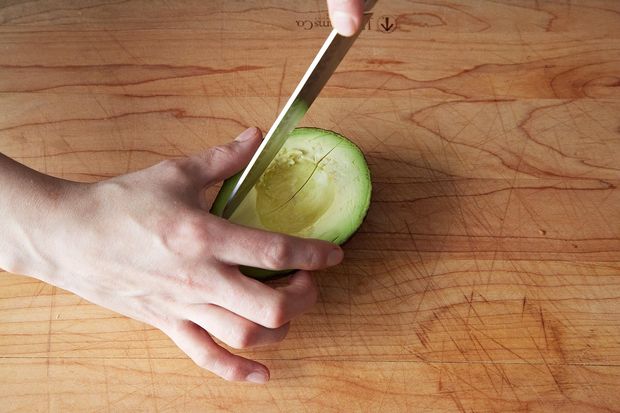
{"x":222,"y":196}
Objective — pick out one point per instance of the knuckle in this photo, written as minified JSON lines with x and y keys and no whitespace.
{"x":196,"y":229}
{"x":226,"y":370}
{"x":187,"y":235}
{"x":275,"y":316}
{"x":220,"y":153}
{"x":112,"y":187}
{"x":277,"y":254}
{"x":174,"y":169}
{"x":208,"y":361}
{"x":246,"y":338}
{"x":231,"y":373}
{"x":314,"y":257}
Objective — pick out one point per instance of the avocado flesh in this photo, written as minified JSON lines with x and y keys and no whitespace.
{"x":318,"y":186}
{"x":293,"y":194}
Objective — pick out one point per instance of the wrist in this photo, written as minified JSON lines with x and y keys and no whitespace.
{"x":31,"y":205}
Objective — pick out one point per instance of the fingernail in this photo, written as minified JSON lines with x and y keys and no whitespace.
{"x":335,"y":256}
{"x":247,"y":134}
{"x":344,"y":23}
{"x":257,"y":377}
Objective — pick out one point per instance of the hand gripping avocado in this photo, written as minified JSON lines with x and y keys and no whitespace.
{"x":318,"y":186}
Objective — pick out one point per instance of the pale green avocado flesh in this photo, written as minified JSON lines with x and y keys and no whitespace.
{"x":318,"y":186}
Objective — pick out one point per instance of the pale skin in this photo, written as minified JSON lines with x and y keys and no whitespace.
{"x":144,"y":245}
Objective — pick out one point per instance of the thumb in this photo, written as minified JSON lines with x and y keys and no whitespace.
{"x":346,"y":15}
{"x":220,"y":162}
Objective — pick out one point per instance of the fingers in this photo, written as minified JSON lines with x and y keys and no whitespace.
{"x":201,"y":348}
{"x":262,"y":304}
{"x":239,"y":245}
{"x":232,"y":329}
{"x":346,"y":15}
{"x":258,"y":315}
{"x":220,"y":162}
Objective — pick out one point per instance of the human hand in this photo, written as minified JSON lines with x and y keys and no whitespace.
{"x":144,"y":245}
{"x":346,"y":15}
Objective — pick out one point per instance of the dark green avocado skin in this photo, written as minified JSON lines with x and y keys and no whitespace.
{"x":218,"y":207}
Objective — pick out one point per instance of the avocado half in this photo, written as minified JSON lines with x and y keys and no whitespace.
{"x":318,"y":186}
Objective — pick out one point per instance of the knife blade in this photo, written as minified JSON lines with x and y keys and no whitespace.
{"x":321,"y":69}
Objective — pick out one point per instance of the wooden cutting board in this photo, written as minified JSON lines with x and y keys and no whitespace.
{"x":486,"y":276}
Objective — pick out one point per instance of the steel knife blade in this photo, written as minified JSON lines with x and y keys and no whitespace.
{"x":322,"y":67}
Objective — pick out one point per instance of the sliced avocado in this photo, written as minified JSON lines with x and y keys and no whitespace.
{"x":318,"y":186}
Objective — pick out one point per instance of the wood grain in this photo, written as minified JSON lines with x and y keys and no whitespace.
{"x":166,"y":385}
{"x":486,"y":276}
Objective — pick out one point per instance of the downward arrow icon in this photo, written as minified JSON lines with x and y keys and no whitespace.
{"x":387,"y":26}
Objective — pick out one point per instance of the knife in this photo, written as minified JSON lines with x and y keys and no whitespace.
{"x":322,"y":67}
